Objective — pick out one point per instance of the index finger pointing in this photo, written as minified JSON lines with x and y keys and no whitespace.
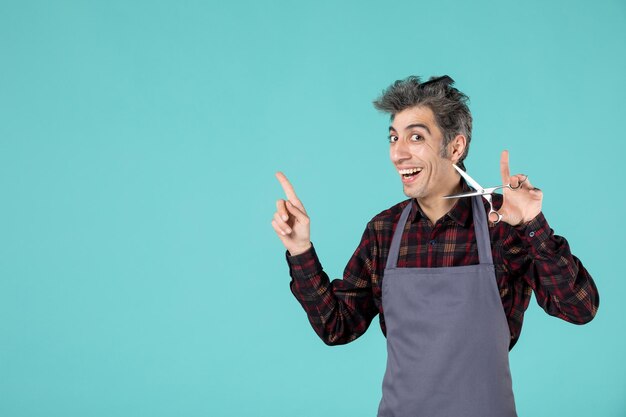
{"x":504,"y":167}
{"x":287,"y":187}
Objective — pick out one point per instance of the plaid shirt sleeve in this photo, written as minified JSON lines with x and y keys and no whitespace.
{"x":562,"y":285}
{"x":341,"y":310}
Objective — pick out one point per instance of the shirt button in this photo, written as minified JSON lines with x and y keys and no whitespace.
{"x":531,"y":234}
{"x":432,"y":242}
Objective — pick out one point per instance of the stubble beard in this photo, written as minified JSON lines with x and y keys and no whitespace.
{"x":417,"y":193}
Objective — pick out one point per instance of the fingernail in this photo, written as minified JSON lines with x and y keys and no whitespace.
{"x":282,"y":233}
{"x":285,"y":217}
{"x":288,"y":231}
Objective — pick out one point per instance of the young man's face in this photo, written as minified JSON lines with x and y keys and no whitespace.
{"x":415,"y":150}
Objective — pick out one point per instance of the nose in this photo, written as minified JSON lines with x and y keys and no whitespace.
{"x":399,"y":152}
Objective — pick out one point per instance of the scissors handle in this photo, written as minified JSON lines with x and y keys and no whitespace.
{"x":497,"y":214}
{"x":491,"y":210}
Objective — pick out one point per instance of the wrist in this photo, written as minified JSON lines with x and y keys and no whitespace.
{"x":535,"y":231}
{"x":299,"y":250}
{"x":526,"y":222}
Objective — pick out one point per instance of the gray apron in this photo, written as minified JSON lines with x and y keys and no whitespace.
{"x":447,"y":336}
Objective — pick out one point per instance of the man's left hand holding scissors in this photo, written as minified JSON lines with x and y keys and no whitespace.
{"x":521,"y":201}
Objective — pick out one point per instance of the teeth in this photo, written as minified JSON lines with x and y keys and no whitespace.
{"x":409,"y":171}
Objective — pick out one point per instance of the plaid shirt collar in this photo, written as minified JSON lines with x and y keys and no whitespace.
{"x":461,"y":212}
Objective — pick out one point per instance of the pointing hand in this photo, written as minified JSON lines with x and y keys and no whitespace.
{"x":291,"y":222}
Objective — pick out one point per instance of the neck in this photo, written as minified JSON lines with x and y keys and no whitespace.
{"x":435,"y":206}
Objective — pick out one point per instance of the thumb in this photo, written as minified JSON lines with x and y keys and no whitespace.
{"x":297,"y":213}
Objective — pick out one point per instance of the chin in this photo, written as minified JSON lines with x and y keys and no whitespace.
{"x":413,"y":193}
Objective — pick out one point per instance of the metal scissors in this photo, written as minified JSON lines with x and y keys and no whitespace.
{"x":484,"y":192}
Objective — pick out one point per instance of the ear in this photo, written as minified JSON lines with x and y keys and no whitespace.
{"x":456,"y":148}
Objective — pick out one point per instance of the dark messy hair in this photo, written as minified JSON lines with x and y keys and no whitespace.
{"x":448,"y":104}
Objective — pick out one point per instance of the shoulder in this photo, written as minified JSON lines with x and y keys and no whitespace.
{"x":502,"y":231}
{"x":497,"y":200}
{"x":386,"y":219}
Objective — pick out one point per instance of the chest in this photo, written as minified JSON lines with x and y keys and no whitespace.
{"x":445,"y":244}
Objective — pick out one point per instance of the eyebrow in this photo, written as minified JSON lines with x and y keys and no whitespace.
{"x":423,"y":126}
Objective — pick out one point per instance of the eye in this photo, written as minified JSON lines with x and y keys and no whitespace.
{"x":393,"y":138}
{"x":416,"y":138}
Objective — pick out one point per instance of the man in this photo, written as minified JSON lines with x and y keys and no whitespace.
{"x":450,"y":285}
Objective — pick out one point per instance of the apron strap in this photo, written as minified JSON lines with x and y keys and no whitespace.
{"x":483,"y":240}
{"x":394,"y":250}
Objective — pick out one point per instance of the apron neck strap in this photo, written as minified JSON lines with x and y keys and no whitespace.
{"x":394,"y":250}
{"x":483,"y":241}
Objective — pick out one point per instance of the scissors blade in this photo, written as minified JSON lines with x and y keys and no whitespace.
{"x":467,"y":194}
{"x":469,"y":179}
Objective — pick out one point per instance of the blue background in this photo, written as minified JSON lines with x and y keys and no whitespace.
{"x":139,"y":273}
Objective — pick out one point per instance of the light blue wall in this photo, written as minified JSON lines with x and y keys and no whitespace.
{"x":139,"y":273}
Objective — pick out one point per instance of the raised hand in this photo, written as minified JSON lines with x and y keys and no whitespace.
{"x":522,"y":202}
{"x":291,"y":222}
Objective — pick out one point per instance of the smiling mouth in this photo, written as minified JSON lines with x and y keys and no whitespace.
{"x":409,"y":173}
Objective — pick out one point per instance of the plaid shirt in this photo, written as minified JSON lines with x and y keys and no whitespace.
{"x":526,"y":258}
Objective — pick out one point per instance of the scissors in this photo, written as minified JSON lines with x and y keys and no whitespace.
{"x":484,"y":192}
